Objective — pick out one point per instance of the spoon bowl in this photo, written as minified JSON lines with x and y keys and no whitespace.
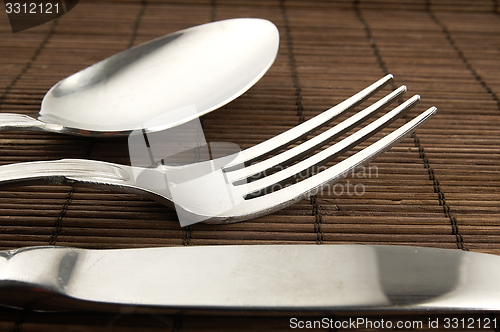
{"x":160,"y":84}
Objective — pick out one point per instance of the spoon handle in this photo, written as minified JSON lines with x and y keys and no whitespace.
{"x":12,"y":121}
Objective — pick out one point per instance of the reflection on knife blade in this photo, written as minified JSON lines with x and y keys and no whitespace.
{"x":257,"y":277}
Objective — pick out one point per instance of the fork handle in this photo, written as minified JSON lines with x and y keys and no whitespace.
{"x":65,"y":171}
{"x":87,"y":173}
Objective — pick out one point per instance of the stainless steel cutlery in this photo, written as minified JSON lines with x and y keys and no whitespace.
{"x":321,"y":278}
{"x":221,"y":190}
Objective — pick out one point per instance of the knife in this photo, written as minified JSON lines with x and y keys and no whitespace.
{"x":253,"y":277}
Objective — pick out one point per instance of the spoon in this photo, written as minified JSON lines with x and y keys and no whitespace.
{"x":160,"y":84}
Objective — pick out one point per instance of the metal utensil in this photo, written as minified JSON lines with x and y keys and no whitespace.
{"x":172,"y":80}
{"x":217,"y":191}
{"x":259,"y":277}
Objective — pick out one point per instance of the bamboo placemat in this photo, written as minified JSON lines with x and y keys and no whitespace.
{"x":438,"y":188}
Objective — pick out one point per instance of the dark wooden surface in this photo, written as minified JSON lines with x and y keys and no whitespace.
{"x":438,"y":188}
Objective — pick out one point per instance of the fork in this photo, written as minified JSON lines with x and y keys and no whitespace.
{"x":254,"y":182}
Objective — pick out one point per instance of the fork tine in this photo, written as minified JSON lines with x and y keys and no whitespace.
{"x":287,"y":157}
{"x":291,"y":173}
{"x":287,"y":196}
{"x":296,"y":133}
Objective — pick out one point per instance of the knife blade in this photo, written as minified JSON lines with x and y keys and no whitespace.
{"x":252,"y":277}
